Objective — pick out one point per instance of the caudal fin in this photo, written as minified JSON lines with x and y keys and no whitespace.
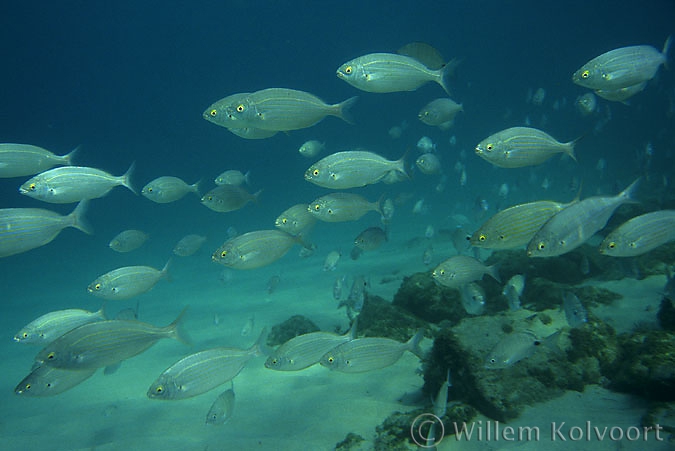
{"x":446,"y":72}
{"x":629,"y":193}
{"x":68,"y":158}
{"x":413,"y":345}
{"x":342,"y":110}
{"x":78,"y":220}
{"x":126,"y":178}
{"x":175,"y":329}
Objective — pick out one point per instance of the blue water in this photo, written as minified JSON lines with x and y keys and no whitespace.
{"x":128,"y":81}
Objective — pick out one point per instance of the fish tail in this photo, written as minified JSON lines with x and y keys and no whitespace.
{"x":493,"y":271}
{"x":175,"y":329}
{"x":400,"y":165}
{"x":260,"y":346}
{"x":342,"y":109}
{"x":195,"y":187}
{"x":247,"y":178}
{"x":352,"y":330}
{"x":666,"y":49}
{"x":101,"y":312}
{"x":68,"y":158}
{"x":413,"y":345}
{"x":165,"y":271}
{"x":569,"y":147}
{"x":446,"y":72}
{"x":256,"y":195}
{"x":629,"y":193}
{"x":78,"y":220}
{"x":126,"y":178}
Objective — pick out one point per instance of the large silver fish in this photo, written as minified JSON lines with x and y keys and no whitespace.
{"x":622,"y":67}
{"x":127,"y":282}
{"x":254,"y":249}
{"x":69,"y":184}
{"x":18,"y":160}
{"x":518,"y":147}
{"x":52,"y":325}
{"x":166,"y":189}
{"x":352,"y":169}
{"x":23,"y":229}
{"x":105,"y":343}
{"x":390,"y":72}
{"x":339,"y":207}
{"x":574,"y":225}
{"x":45,"y":380}
{"x":640,"y":234}
{"x":275,"y":109}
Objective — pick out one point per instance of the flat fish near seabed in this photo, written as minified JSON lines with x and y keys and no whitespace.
{"x":127,"y":282}
{"x":575,"y":312}
{"x":52,"y":325}
{"x":515,"y":347}
{"x":19,"y":160}
{"x":255,"y":249}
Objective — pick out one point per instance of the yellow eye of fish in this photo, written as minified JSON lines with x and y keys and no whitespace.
{"x":317,"y":207}
{"x":330,"y":359}
{"x":150,"y":189}
{"x":25,"y":335}
{"x":541,"y":245}
{"x":159,"y":389}
{"x":223,"y":254}
{"x":482,"y":238}
{"x":27,"y":387}
{"x":284,"y":221}
{"x":585,"y":74}
{"x":240,"y":108}
{"x":632,"y":244}
{"x":50,"y":356}
{"x":213,"y":113}
{"x":488,"y":147}
{"x":348,"y":70}
{"x":442,"y":272}
{"x":97,"y":286}
{"x":315,"y":172}
{"x":31,"y":187}
{"x":611,"y":245}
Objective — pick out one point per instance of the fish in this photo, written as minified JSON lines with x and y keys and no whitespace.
{"x":518,"y":147}
{"x":295,"y":220}
{"x":621,"y":94}
{"x":513,"y":290}
{"x":203,"y":371}
{"x":337,"y":287}
{"x":68,"y":184}
{"x":352,"y":169}
{"x":370,"y":239}
{"x":473,"y":298}
{"x":424,"y":53}
{"x":331,"y":261}
{"x":222,"y":408}
{"x":128,"y":240}
{"x":273,"y":283}
{"x":622,"y":67}
{"x":575,"y":312}
{"x":428,"y":163}
{"x":513,"y":348}
{"x":439,"y":112}
{"x":232,"y":177}
{"x":52,"y":325}
{"x":428,"y":255}
{"x":45,"y":380}
{"x":23,"y":229}
{"x":255,"y":249}
{"x":105,"y":343}
{"x":461,"y":269}
{"x":18,"y":160}
{"x":425,"y":145}
{"x":370,"y":353}
{"x":189,"y":245}
{"x":640,"y":234}
{"x":340,"y":207}
{"x":388,"y":210}
{"x":574,"y":225}
{"x":275,"y":109}
{"x":248,"y":326}
{"x":389,"y":72}
{"x":311,"y":148}
{"x":356,"y":297}
{"x":166,"y":189}
{"x":586,"y":104}
{"x":226,"y":198}
{"x":252,"y":133}
{"x":515,"y":226}
{"x":126,"y":282}
{"x":305,"y":350}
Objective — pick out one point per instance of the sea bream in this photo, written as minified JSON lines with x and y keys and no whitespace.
{"x":440,"y":112}
{"x":339,"y":207}
{"x":352,"y":169}
{"x":128,"y":240}
{"x":640,"y":234}
{"x":166,"y":189}
{"x":68,"y":184}
{"x":295,"y":220}
{"x":255,"y":249}
{"x":188,"y":245}
{"x":462,"y":269}
{"x":52,"y":325}
{"x":222,"y":408}
{"x":515,"y":347}
{"x":518,"y":147}
{"x":622,"y":67}
{"x":23,"y":229}
{"x":18,"y":160}
{"x":45,"y":380}
{"x":574,"y":225}
{"x":127,"y":282}
{"x":275,"y":109}
{"x":226,"y":198}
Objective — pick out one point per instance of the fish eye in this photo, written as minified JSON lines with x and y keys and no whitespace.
{"x":315,"y":172}
{"x":317,"y":207}
{"x":241,"y":108}
{"x":150,"y":189}
{"x":493,"y":360}
{"x":348,"y":70}
{"x":632,"y":244}
{"x":97,"y":286}
{"x":213,"y":113}
{"x":501,"y":237}
{"x":51,"y":355}
{"x":489,"y":147}
{"x":284,"y":221}
{"x":442,"y":272}
{"x":27,"y":387}
{"x":330,"y":359}
{"x":541,"y":245}
{"x":585,"y":74}
{"x":159,"y":389}
{"x":32,"y":187}
{"x":482,"y":238}
{"x":330,"y":211}
{"x":223,"y":254}
{"x":25,"y":335}
{"x":611,"y":245}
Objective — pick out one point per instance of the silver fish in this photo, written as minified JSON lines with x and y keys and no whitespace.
{"x":512,"y":349}
{"x":339,"y":207}
{"x":428,"y":163}
{"x":640,"y":234}
{"x":232,"y":177}
{"x":518,"y":147}
{"x":473,"y":298}
{"x":188,"y":245}
{"x":105,"y":343}
{"x":586,"y":104}
{"x":370,"y":353}
{"x":127,"y":282}
{"x":166,"y":189}
{"x":575,"y":312}
{"x":252,"y":133}
{"x":45,"y":380}
{"x":68,"y":184}
{"x":254,"y":249}
{"x":128,"y":240}
{"x":352,"y":169}
{"x":222,"y":408}
{"x":23,"y":229}
{"x":513,"y":290}
{"x":621,"y":94}
{"x":18,"y":160}
{"x":389,"y":72}
{"x":52,"y":325}
{"x":311,"y":148}
{"x":461,"y":269}
{"x":370,"y":239}
{"x":622,"y":67}
{"x":439,"y":112}
{"x":275,"y":109}
{"x":574,"y":225}
{"x":331,"y":260}
{"x":226,"y":198}
{"x":295,"y":220}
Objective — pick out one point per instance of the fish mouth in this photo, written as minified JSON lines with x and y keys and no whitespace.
{"x":339,"y":74}
{"x":23,"y":190}
{"x":478,"y":150}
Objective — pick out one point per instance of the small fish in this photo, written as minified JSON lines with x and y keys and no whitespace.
{"x":52,"y":325}
{"x":369,"y":353}
{"x":440,"y":112}
{"x":518,"y":147}
{"x":586,"y":104}
{"x":513,"y":348}
{"x":428,"y":163}
{"x":189,"y":245}
{"x":23,"y":229}
{"x":331,"y":260}
{"x":232,"y":177}
{"x":575,"y":312}
{"x":18,"y":160}
{"x":513,"y":290}
{"x":311,"y":148}
{"x":426,"y":145}
{"x":248,"y":326}
{"x":127,"y":282}
{"x":45,"y":380}
{"x":340,"y":207}
{"x":370,"y":239}
{"x":357,"y":295}
{"x":420,"y":207}
{"x":338,"y":287}
{"x":473,"y":298}
{"x":538,"y":97}
{"x":429,"y":232}
{"x":226,"y":198}
{"x":222,"y":408}
{"x":254,"y":249}
{"x":428,"y":255}
{"x":461,"y":269}
{"x":295,"y":220}
{"x":273,"y":283}
{"x":355,"y":253}
{"x":584,"y":265}
{"x":441,"y":401}
{"x":640,"y":234}
{"x":68,"y":184}
{"x":128,"y":240}
{"x":352,"y":169}
{"x":166,"y":189}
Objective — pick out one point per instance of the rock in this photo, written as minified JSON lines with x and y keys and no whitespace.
{"x":379,"y":318}
{"x":292,"y":327}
